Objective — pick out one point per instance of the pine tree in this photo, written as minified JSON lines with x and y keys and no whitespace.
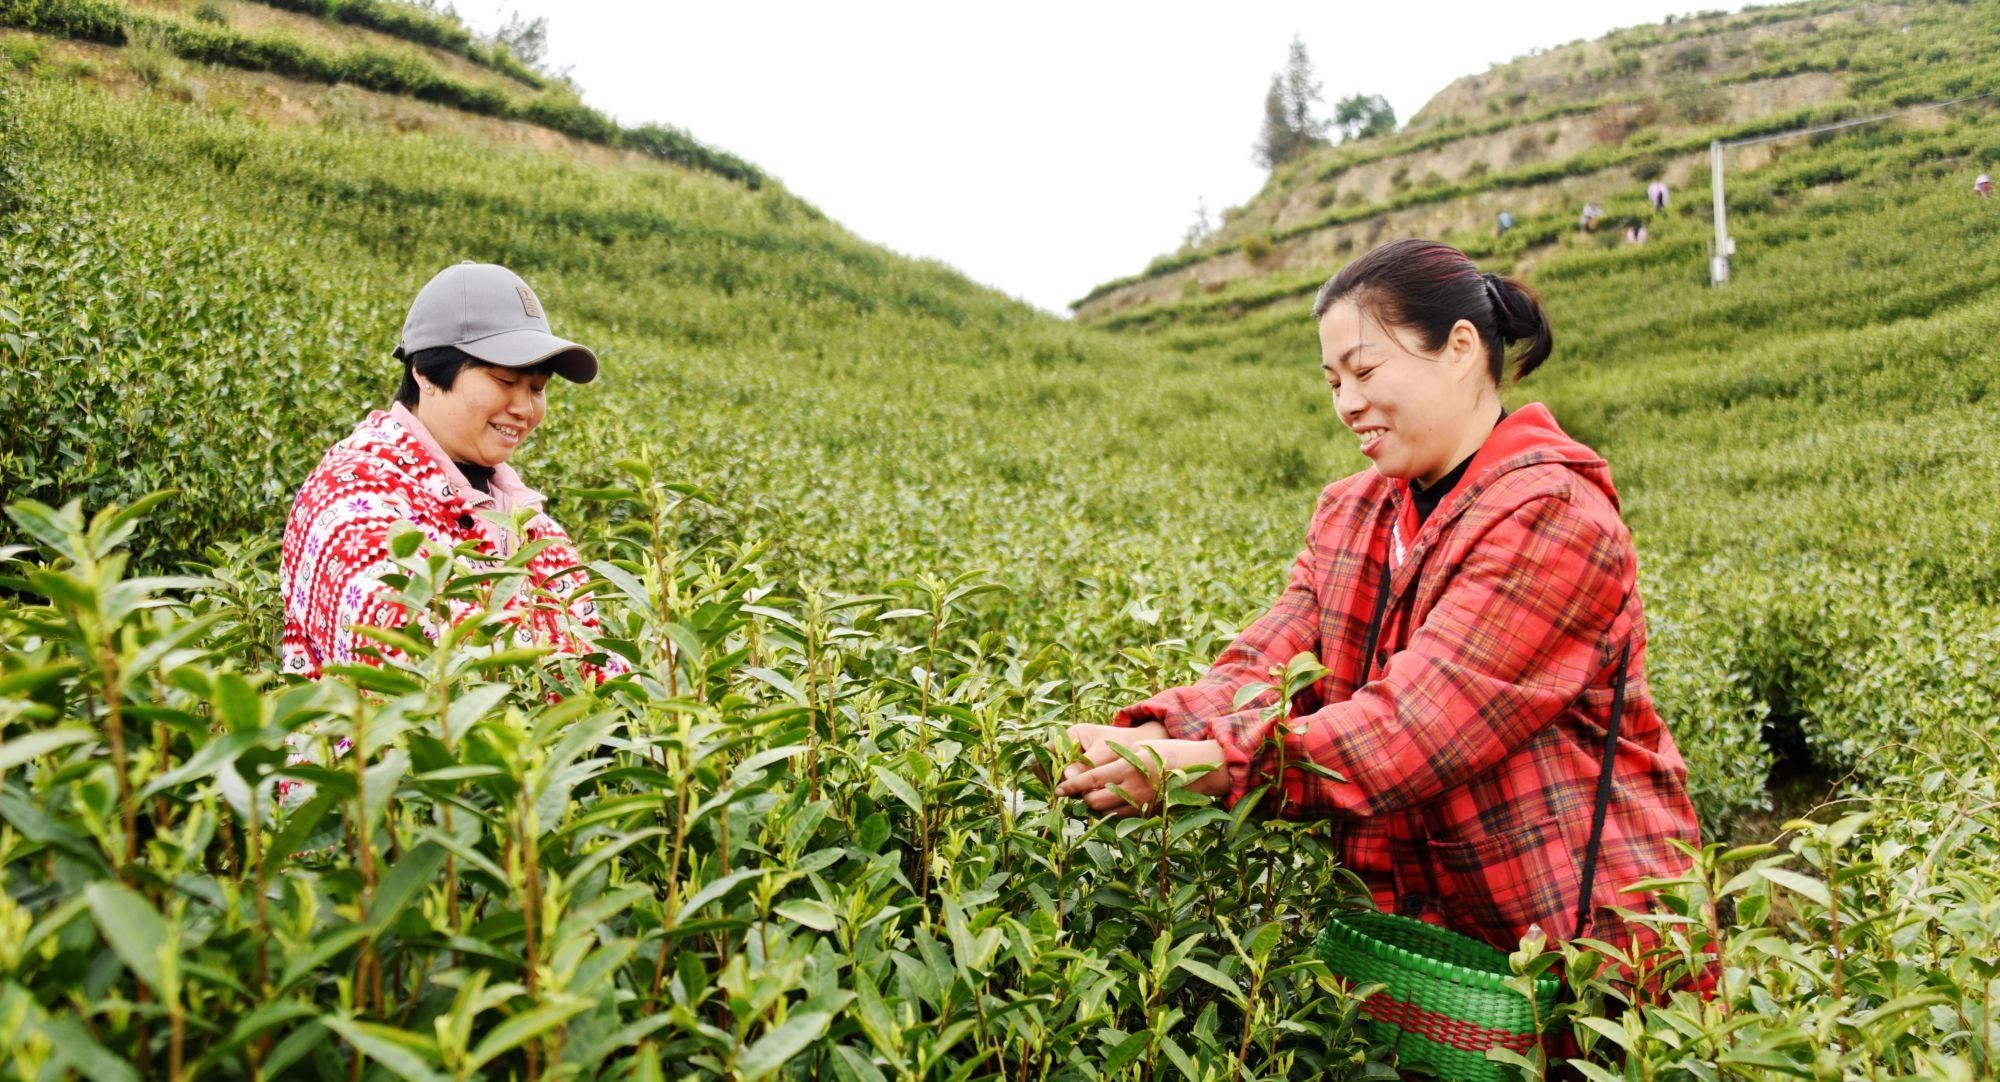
{"x":1279,"y":141}
{"x":1290,"y":128}
{"x":1302,"y":92}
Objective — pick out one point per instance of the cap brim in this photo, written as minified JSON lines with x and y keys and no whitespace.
{"x":527,"y":347}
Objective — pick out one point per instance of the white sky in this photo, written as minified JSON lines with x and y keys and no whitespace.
{"x":1038,"y":147}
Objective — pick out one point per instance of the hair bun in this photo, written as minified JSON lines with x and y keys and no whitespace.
{"x":1519,"y":317}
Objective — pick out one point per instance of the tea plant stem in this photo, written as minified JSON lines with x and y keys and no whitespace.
{"x":1986,"y":1020}
{"x":923,"y":876}
{"x":985,"y":1028}
{"x":924,"y":690}
{"x":114,"y":727}
{"x":263,"y":916}
{"x":161,"y":738}
{"x":673,"y":886}
{"x":531,"y":906}
{"x":1278,"y":774}
{"x":177,"y":1044}
{"x":364,"y":846}
{"x":663,"y":602}
{"x":1270,"y":889}
{"x":411,"y":1003}
{"x":142,"y":1036}
{"x":1249,"y":1016}
{"x":1833,"y":919}
{"x":1166,"y":848}
{"x":723,"y":942}
{"x":812,"y":698}
{"x":444,"y":807}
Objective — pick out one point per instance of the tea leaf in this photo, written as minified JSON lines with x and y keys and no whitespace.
{"x":813,"y":914}
{"x":22,"y":749}
{"x":522,"y":1028}
{"x":899,"y":788}
{"x":405,"y":1054}
{"x":1798,"y":884}
{"x":134,"y":930}
{"x":777,"y":1047}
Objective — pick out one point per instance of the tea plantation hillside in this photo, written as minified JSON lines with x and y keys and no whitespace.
{"x":870,"y":536}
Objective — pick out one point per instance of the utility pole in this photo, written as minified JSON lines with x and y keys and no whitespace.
{"x":1718,"y":264}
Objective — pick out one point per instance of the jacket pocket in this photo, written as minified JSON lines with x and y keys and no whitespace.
{"x":1497,"y":886}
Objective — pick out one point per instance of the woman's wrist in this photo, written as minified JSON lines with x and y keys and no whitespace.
{"x":1215,"y":782}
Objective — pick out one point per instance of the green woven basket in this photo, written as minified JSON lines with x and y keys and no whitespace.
{"x":1447,"y":999}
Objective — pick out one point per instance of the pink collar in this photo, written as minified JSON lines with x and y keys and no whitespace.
{"x":506,"y":483}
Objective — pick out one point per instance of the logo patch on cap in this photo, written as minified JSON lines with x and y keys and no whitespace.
{"x":528,"y":302}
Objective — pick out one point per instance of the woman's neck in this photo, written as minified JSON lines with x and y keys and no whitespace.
{"x":1491,"y":412}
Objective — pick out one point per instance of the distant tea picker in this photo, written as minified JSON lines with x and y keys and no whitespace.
{"x":477,"y":358}
{"x":1473,"y":598}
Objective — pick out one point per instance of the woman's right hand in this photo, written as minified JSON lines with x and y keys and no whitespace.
{"x":1096,"y":741}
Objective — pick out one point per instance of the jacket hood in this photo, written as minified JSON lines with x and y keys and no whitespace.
{"x":1526,"y":437}
{"x":398,"y":440}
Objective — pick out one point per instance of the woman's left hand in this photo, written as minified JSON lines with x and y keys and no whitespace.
{"x":1142,"y":786}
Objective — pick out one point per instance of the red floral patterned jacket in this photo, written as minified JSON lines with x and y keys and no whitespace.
{"x":1470,"y":742}
{"x":336,"y":546}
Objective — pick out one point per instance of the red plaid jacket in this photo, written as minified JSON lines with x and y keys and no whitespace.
{"x":1470,"y":742}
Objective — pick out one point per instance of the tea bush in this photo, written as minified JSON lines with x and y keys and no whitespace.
{"x":882,"y":535}
{"x":789,"y":844}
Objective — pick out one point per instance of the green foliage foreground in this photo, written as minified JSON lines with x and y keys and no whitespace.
{"x":847,"y":753}
{"x":784,"y":847}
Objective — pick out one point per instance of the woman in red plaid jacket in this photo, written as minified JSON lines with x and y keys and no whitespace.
{"x":1473,"y":599}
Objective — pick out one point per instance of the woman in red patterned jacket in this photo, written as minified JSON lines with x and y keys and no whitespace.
{"x":1473,"y":599}
{"x":478,"y":356}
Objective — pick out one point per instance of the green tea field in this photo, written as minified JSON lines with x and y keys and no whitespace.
{"x":871,"y":536}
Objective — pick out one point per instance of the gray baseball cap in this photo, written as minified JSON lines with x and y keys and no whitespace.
{"x":490,"y":313}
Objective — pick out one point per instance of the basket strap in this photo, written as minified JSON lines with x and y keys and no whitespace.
{"x":1375,"y":626}
{"x":1603,"y":790}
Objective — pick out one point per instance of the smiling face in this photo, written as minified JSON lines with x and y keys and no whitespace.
{"x":1417,"y":413}
{"x":488,"y":412}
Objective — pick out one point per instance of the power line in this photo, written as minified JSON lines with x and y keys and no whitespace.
{"x":1725,"y":245}
{"x":1835,"y":126}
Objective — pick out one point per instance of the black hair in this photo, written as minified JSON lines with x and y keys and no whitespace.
{"x":442,"y":364}
{"x":1427,"y":287}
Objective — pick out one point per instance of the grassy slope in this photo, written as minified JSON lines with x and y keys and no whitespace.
{"x":208,"y":300}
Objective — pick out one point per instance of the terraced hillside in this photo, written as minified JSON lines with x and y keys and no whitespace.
{"x":393,"y":48}
{"x":1592,"y":120}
